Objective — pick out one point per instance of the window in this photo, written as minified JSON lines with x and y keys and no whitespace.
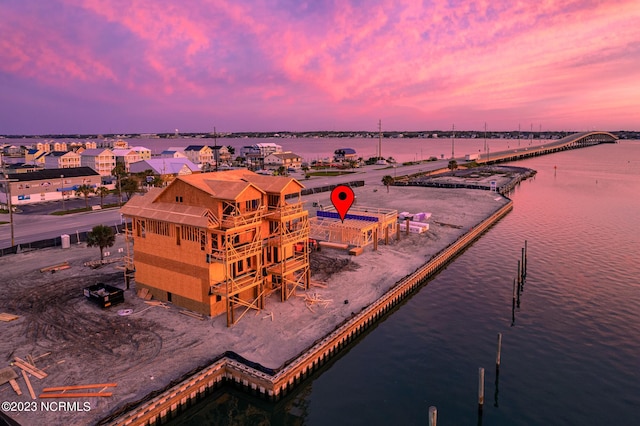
{"x":252,"y":205}
{"x":178,"y":199}
{"x":177,"y":235}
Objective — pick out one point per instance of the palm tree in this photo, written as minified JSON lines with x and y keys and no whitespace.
{"x":101,"y":236}
{"x":85,"y":190}
{"x":102,"y":191}
{"x":453,"y":164}
{"x":387,"y":180}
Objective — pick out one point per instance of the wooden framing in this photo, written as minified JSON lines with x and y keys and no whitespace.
{"x":219,"y":242}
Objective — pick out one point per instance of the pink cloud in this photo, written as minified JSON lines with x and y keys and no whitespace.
{"x":416,"y":60}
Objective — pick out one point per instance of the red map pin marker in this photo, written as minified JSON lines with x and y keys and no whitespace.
{"x":342,"y":198}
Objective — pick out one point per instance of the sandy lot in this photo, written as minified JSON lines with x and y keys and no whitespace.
{"x":145,"y":351}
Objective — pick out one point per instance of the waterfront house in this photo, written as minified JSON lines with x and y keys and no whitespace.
{"x":219,"y":242}
{"x":283,"y":159}
{"x":199,"y":154}
{"x":345,"y":155}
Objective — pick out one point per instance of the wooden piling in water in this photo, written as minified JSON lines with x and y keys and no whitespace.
{"x":480,"y":387}
{"x":519,"y":274}
{"x":499,"y":350}
{"x":433,"y":416}
{"x":513,"y":305}
{"x":525,"y":258}
{"x":522,"y":272}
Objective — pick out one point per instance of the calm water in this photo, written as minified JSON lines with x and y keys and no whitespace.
{"x":410,"y":149}
{"x":571,"y":358}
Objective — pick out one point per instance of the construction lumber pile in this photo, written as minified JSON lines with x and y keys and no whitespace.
{"x":310,"y":300}
{"x":98,"y":263}
{"x":144,"y":294}
{"x":54,"y":268}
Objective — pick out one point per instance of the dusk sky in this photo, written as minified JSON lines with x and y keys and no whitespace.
{"x":125,"y":66}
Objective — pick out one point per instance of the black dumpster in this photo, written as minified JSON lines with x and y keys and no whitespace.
{"x":104,"y":295}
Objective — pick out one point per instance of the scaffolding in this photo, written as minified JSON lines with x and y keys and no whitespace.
{"x":287,"y":248}
{"x":237,"y":246}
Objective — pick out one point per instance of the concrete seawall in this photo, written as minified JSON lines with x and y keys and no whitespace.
{"x":275,"y":386}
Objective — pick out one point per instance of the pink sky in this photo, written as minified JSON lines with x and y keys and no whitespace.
{"x":124,"y":66}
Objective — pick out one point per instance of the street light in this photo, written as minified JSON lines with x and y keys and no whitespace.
{"x":62,"y":190}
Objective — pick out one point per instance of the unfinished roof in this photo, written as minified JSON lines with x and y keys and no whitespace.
{"x":144,"y":206}
{"x":274,"y":184}
{"x":220,"y":185}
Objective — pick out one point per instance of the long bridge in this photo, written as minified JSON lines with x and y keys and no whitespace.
{"x":576,"y":140}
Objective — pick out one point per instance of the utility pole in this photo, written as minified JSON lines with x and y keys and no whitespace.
{"x":62,"y":190}
{"x":215,"y":145}
{"x":453,"y":138}
{"x":7,"y":182}
{"x":379,"y":139}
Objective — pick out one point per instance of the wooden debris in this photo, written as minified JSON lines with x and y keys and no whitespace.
{"x":77,"y":387}
{"x":53,"y":392}
{"x":193,"y":315}
{"x":30,"y":360}
{"x":28,"y":382}
{"x":312,"y":299}
{"x":8,"y":317}
{"x":270,"y":315}
{"x":356,"y":251}
{"x":7,"y":374}
{"x":58,"y":267}
{"x":74,"y":395}
{"x":317,"y":284}
{"x":36,"y":372}
{"x":42,"y":356}
{"x":15,"y":386}
{"x":144,"y":293}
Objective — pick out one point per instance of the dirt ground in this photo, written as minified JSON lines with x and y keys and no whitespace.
{"x":145,"y":351}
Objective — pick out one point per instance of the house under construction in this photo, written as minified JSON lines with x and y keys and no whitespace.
{"x":361,"y":227}
{"x":220,"y":242}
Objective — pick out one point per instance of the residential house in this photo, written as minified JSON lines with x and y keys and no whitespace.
{"x":199,"y":154}
{"x":101,"y":160}
{"x":345,"y":155}
{"x":173,"y":153}
{"x":283,"y":159}
{"x":35,"y":156}
{"x":218,"y":242}
{"x":167,"y":168}
{"x":126,"y":157}
{"x":61,"y":160}
{"x":144,"y":153}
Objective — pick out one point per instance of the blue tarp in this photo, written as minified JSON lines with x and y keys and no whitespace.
{"x":334,"y":215}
